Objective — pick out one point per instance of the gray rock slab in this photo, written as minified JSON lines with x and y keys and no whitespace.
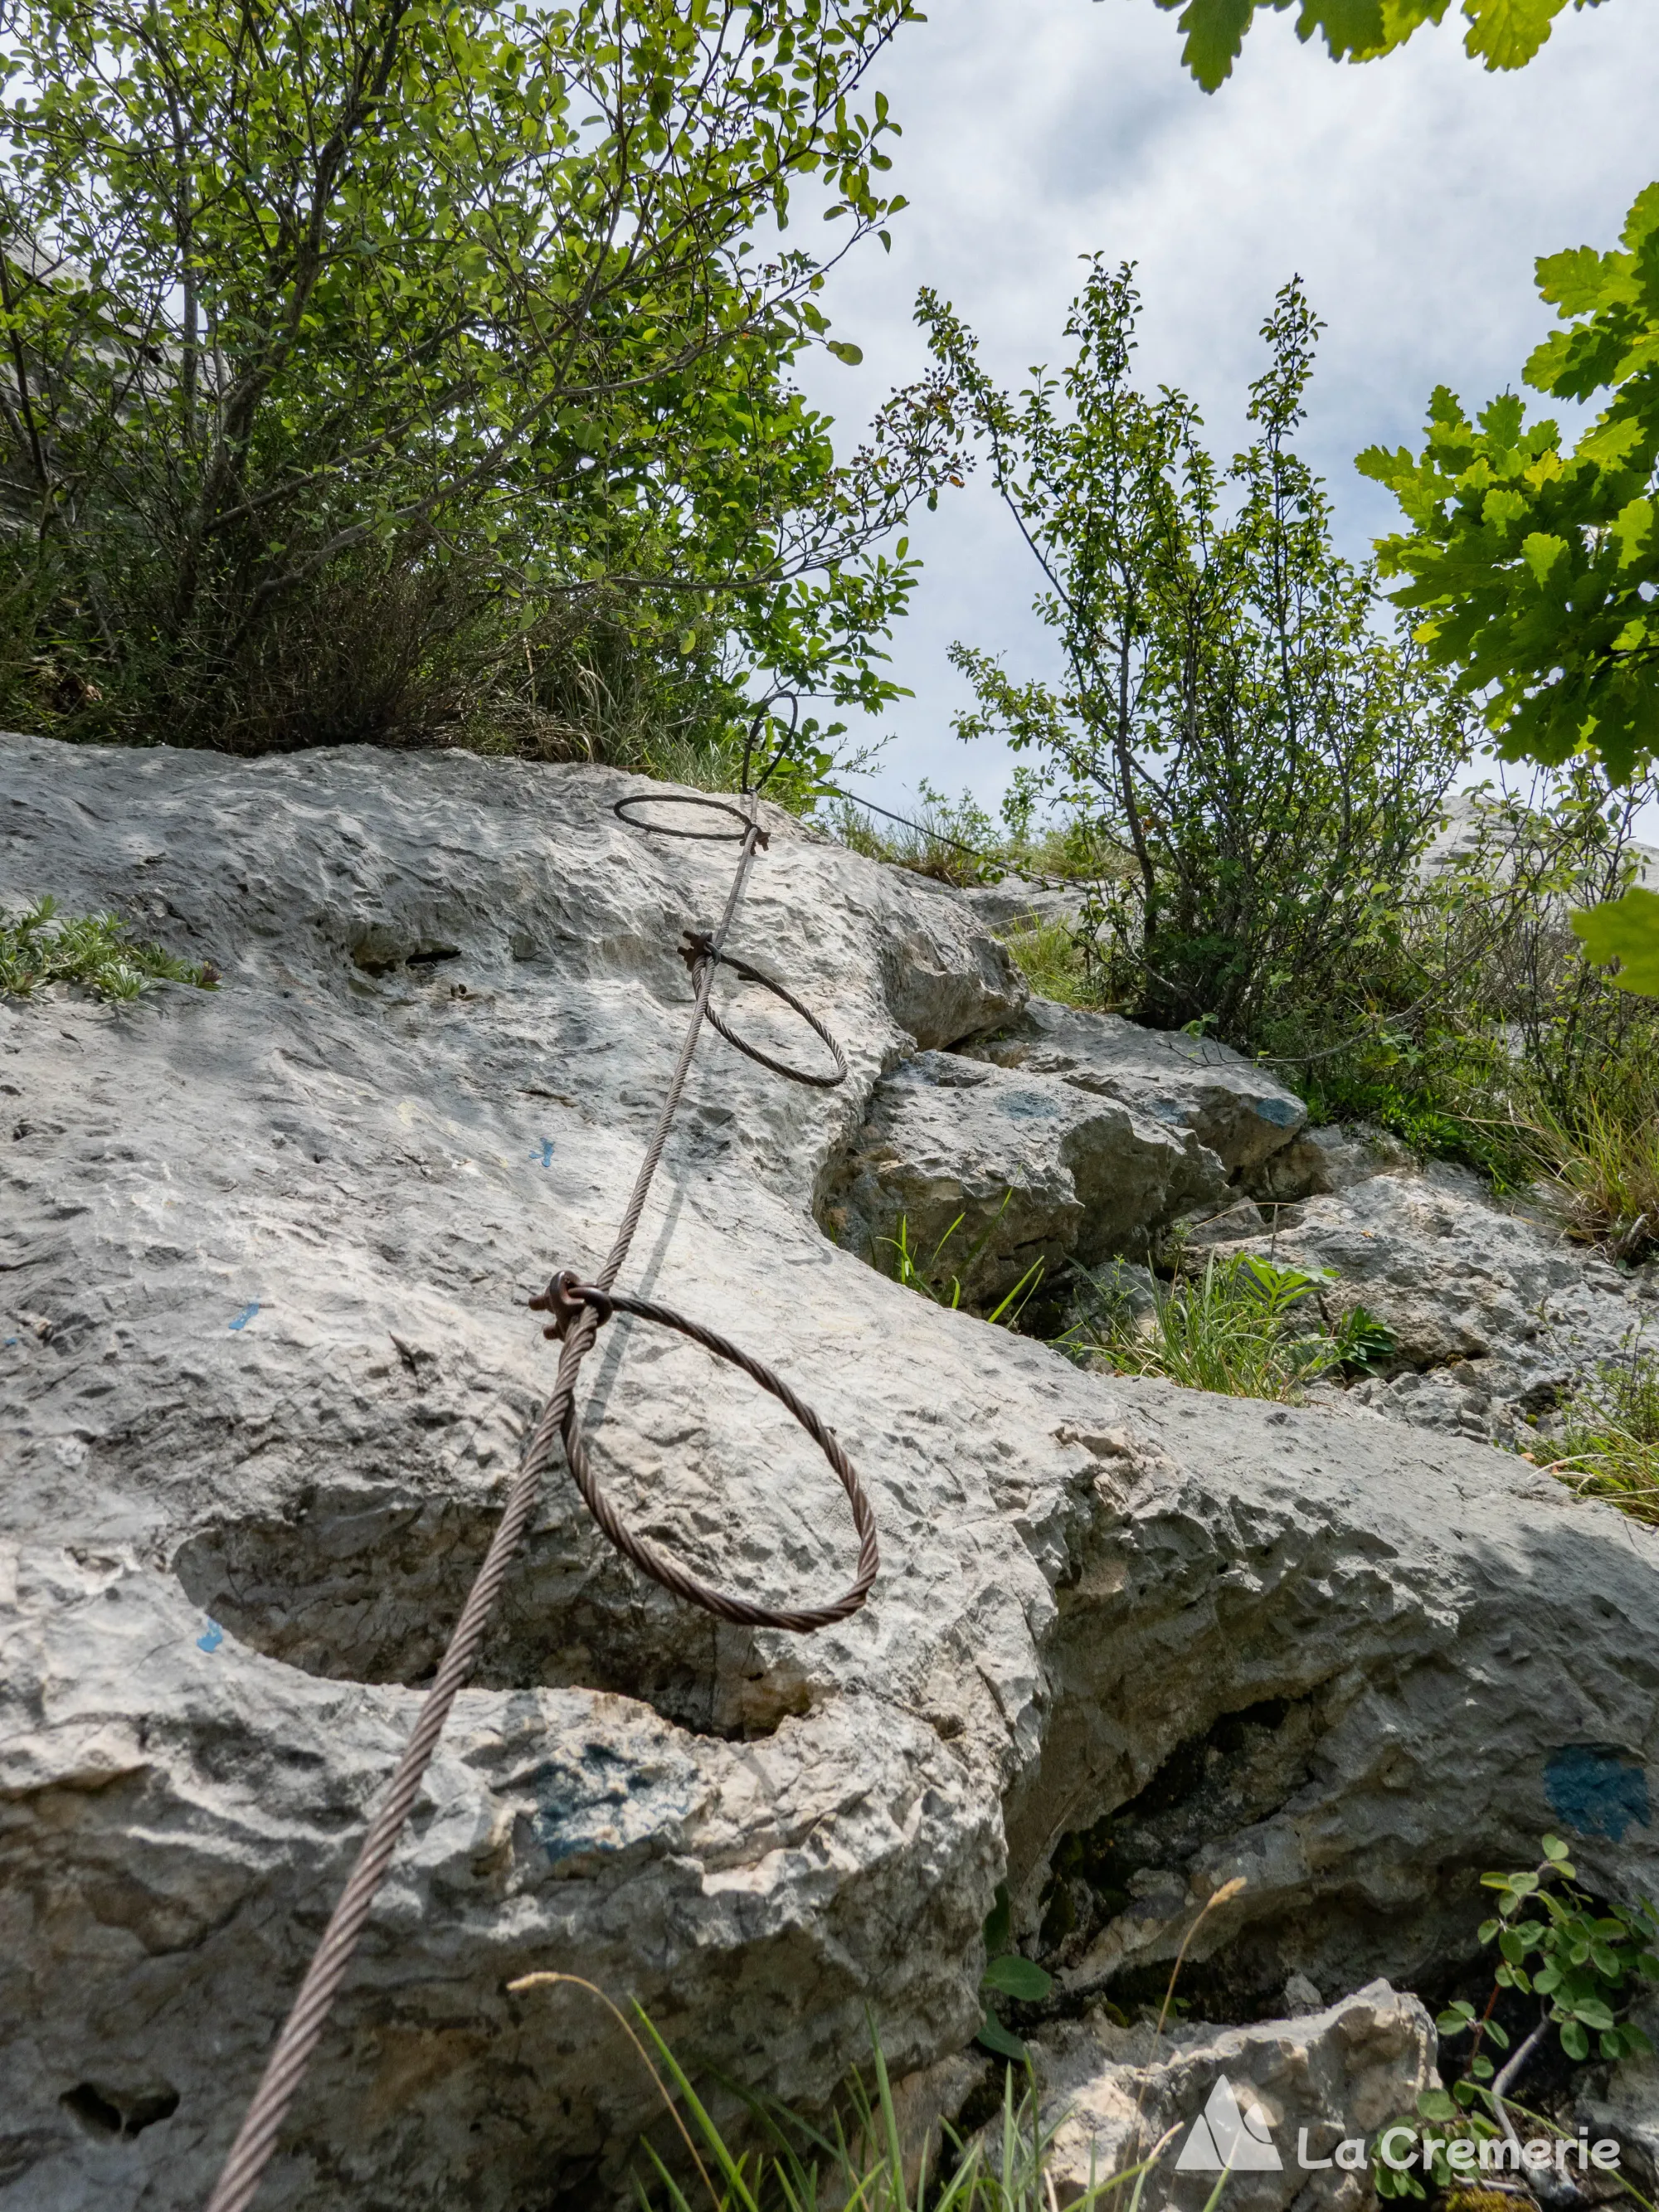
{"x":266,"y":1368}
{"x":1014,"y":1169}
{"x":1495,"y":1311}
{"x":1235,"y":1109}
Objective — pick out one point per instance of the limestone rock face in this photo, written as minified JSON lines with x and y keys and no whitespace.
{"x":1493,"y":1310}
{"x":1012,"y":1170}
{"x":265,"y":1372}
{"x":1066,"y":1135}
{"x":1235,"y":1110}
{"x":1257,"y":2099}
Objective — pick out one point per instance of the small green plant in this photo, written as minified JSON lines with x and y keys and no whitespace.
{"x":1581,"y":1964}
{"x":1240,"y":1328}
{"x":96,"y":950}
{"x":1007,"y":1974}
{"x":928,"y":1276}
{"x":1608,"y":1447}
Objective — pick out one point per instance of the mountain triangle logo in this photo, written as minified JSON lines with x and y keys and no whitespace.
{"x":1225,"y":2139}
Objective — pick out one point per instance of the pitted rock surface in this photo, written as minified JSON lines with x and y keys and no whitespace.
{"x":1235,"y":1109}
{"x":1495,"y":1312}
{"x":996,"y":1173}
{"x":1265,"y":2093}
{"x":264,"y":1370}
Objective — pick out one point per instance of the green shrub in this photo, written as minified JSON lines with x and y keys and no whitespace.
{"x":1582,"y":1964}
{"x":334,"y":406}
{"x":97,"y":951}
{"x":1262,"y":762}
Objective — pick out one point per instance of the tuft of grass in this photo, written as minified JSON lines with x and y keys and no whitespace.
{"x":859,"y":2161}
{"x":1054,"y":963}
{"x":1608,"y":1444}
{"x":1242,"y":1328}
{"x":96,"y":950}
{"x":930,"y":1278}
{"x":1601,"y":1156}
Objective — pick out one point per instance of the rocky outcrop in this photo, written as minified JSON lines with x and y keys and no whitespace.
{"x":986,"y":1175}
{"x":1495,"y":1313}
{"x":1274,"y":2101}
{"x":266,"y":1368}
{"x":1063,"y":1136}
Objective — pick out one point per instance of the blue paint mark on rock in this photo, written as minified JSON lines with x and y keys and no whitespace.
{"x":1282,"y":1112}
{"x":213,"y":1636}
{"x":602,"y":1804}
{"x":245,"y":1315}
{"x":546,"y":1157}
{"x":1597,"y":1790}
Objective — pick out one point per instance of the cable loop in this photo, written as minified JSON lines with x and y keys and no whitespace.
{"x":748,"y":830}
{"x":579,"y":1311}
{"x":660,"y":1566}
{"x":698,"y":950}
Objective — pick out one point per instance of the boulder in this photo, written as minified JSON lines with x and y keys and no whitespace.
{"x":266,"y":1368}
{"x":1495,"y":1312}
{"x":1065,"y":1135}
{"x":1274,"y":2100}
{"x":1013,"y":905}
{"x":1233,"y":1108}
{"x":986,"y":1174}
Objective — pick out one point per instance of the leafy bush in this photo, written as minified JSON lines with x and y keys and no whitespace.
{"x":1488,"y":1036}
{"x":1263,"y":765}
{"x":391,"y":368}
{"x":97,"y":951}
{"x":1582,"y":1963}
{"x":1241,"y":1327}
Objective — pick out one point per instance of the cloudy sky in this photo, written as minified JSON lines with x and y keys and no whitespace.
{"x":1411,"y":194}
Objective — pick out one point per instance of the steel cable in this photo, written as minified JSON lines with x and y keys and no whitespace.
{"x":285,"y":2069}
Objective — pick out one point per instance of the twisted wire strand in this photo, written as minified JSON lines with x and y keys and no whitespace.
{"x":285,"y":2069}
{"x":697,"y":949}
{"x":660,"y":1566}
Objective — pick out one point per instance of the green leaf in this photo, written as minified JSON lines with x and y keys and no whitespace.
{"x":999,"y":1922}
{"x":1555,"y":1848}
{"x":994,"y":2036}
{"x":843,"y":350}
{"x":1540,"y":551}
{"x":1574,"y":2041}
{"x":1507,"y":34}
{"x":1626,"y":930}
{"x":1437,"y":2105}
{"x":1014,"y":1977}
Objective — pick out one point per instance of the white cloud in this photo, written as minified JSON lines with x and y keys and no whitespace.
{"x":1412,"y":195}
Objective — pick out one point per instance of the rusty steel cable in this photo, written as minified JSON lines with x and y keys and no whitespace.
{"x":285,"y":2069}
{"x":698,"y":947}
{"x":568,"y":1299}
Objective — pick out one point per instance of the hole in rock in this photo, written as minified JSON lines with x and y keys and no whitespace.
{"x":1240,"y":1770}
{"x":367,"y":1587}
{"x":110,"y":2113}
